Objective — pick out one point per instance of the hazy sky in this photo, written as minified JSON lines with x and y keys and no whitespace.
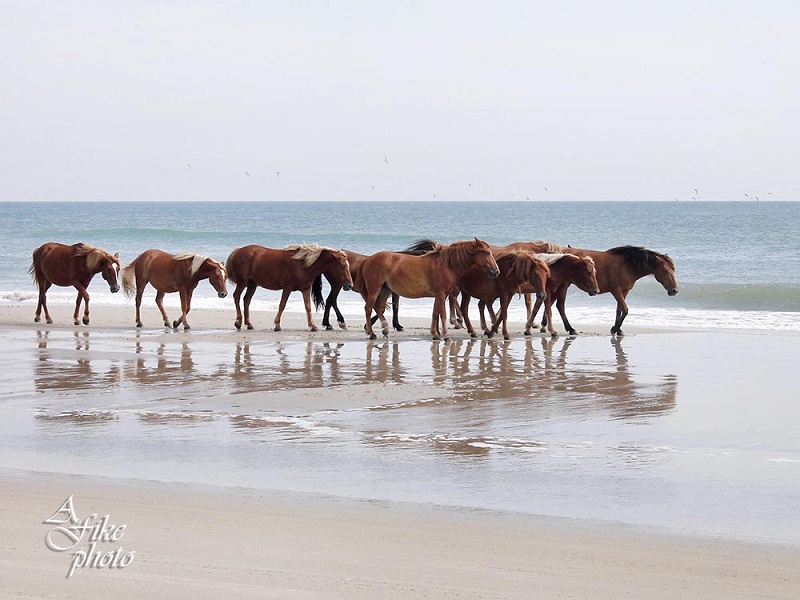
{"x":457,"y":100}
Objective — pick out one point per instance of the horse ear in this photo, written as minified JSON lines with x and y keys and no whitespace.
{"x":116,"y":255}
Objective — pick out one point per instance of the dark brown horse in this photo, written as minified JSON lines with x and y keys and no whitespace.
{"x":171,"y":273}
{"x":518,"y":269}
{"x":565,"y":270}
{"x":431,"y":275}
{"x":295,"y":268}
{"x":618,"y":270}
{"x":58,"y":264}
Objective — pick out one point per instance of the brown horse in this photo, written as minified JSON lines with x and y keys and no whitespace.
{"x":517,"y":269}
{"x":295,"y":268}
{"x":431,"y":275}
{"x":565,"y":269}
{"x":62,"y":265}
{"x":618,"y":270}
{"x":171,"y":273}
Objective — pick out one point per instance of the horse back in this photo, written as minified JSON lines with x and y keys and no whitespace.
{"x":58,"y":264}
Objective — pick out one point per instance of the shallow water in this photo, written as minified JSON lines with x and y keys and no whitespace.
{"x":693,"y":432}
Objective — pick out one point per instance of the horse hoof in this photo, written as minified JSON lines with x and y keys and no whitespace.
{"x":76,"y":322}
{"x":237,"y":324}
{"x":372,"y":336}
{"x":49,"y":321}
{"x":506,"y":337}
{"x":527,"y":332}
{"x":175,"y":324}
{"x":342,"y":325}
{"x":572,"y":332}
{"x":399,"y":328}
{"x":139,"y":324}
{"x":277,"y":328}
{"x":489,"y":334}
{"x":436,"y":338}
{"x":543,"y":330}
{"x":167,"y":324}
{"x":314,"y":328}
{"x":328,"y":327}
{"x":456,"y":325}
{"x":36,"y":319}
{"x":85,"y":320}
{"x":385,"y":333}
{"x":554,"y":334}
{"x":473,"y":335}
{"x":186,"y":327}
{"x":250,"y":326}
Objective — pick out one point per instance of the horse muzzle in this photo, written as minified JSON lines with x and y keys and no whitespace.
{"x":494,"y":273}
{"x":592,"y":292}
{"x":541,"y":296}
{"x":222,"y":294}
{"x":347,"y":287}
{"x":114,"y":289}
{"x":672,"y":292}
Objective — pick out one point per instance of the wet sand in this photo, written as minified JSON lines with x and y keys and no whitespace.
{"x":233,"y":540}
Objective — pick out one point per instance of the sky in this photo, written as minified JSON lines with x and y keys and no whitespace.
{"x":403,"y":100}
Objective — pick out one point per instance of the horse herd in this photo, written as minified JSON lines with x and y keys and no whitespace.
{"x":466,"y":269}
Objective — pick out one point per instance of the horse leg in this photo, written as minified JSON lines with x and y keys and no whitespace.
{"x":281,"y":306}
{"x":439,"y":317}
{"x":330,"y":302}
{"x":531,"y":322}
{"x":186,"y":302}
{"x":465,"y":298}
{"x":527,"y":297}
{"x":502,"y":317}
{"x":248,"y":296}
{"x":237,"y":294}
{"x":380,"y":310}
{"x":396,"y":312}
{"x":307,"y":303}
{"x":160,"y":305}
{"x":82,"y":295}
{"x":456,"y":318}
{"x":369,"y":304}
{"x":561,"y":300}
{"x":492,"y":316}
{"x":622,"y":311}
{"x":548,"y":313}
{"x":139,"y":294}
{"x":43,"y":287}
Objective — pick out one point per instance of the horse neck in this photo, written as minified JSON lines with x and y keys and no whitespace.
{"x":456,"y":259}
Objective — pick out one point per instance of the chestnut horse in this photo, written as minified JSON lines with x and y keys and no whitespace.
{"x":565,"y":269}
{"x":517,"y":268}
{"x":295,"y":268}
{"x":171,"y":273}
{"x":62,"y":265}
{"x":431,"y":275}
{"x":618,"y":270}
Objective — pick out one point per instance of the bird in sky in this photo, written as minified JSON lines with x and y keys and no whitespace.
{"x":246,"y":174}
{"x":188,"y":165}
{"x":277,"y":173}
{"x":386,"y":160}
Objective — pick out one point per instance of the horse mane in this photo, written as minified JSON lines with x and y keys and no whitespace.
{"x":456,"y":254}
{"x":518,"y":262}
{"x":308,"y":253}
{"x":421,"y":246}
{"x":550,"y":258}
{"x":197,"y":260}
{"x":641,"y":259}
{"x":93,"y":255}
{"x":550,"y":247}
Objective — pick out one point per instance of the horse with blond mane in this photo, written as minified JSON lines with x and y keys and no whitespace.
{"x":169,"y":273}
{"x":75,"y":265}
{"x":433,"y":274}
{"x":295,"y":268}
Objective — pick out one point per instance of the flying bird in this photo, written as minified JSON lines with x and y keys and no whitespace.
{"x":277,"y":173}
{"x":246,"y":174}
{"x":386,"y":160}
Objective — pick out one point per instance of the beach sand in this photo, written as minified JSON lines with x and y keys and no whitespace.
{"x":202,"y":541}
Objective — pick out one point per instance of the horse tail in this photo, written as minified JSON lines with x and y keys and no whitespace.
{"x":316,"y":292}
{"x":420,"y":247}
{"x":128,"y":274}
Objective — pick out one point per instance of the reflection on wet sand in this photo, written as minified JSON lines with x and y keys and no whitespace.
{"x":76,"y":417}
{"x":71,"y":368}
{"x":539,"y":376}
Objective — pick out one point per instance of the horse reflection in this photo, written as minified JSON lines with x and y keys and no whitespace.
{"x":65,"y":366}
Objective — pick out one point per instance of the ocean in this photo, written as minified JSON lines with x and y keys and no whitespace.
{"x":694,"y":432}
{"x":736,"y":262}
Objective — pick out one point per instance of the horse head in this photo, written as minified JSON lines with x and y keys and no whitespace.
{"x":536,"y":273}
{"x":585,"y":276}
{"x":109,"y":268}
{"x":485,"y":259}
{"x":665,"y":273}
{"x":344,"y":264}
{"x":217,"y":277}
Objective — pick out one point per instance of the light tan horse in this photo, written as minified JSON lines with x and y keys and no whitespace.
{"x":62,"y":265}
{"x":295,"y":268}
{"x":169,"y":273}
{"x":432,"y":275}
